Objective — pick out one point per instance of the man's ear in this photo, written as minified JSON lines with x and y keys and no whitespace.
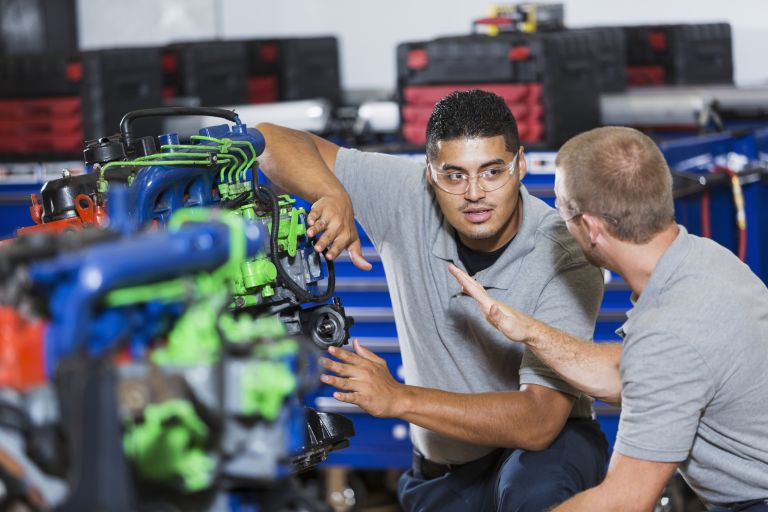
{"x":595,"y":227}
{"x":522,"y":163}
{"x":428,"y":174}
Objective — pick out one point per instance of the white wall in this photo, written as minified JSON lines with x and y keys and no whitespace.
{"x":112,"y":23}
{"x":369,"y":31}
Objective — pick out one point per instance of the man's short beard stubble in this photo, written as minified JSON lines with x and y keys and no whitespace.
{"x":482,"y":234}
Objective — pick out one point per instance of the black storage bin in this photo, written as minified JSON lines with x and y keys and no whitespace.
{"x":557,"y":75}
{"x":309,"y":68}
{"x":570,"y":76}
{"x":49,"y":104}
{"x":691,"y":54}
{"x":116,"y":82}
{"x":461,"y":59}
{"x":296,"y":69}
{"x":611,"y":54}
{"x":214,"y":72}
{"x":37,"y":27}
{"x":263,"y":56}
{"x":702,"y":54}
{"x":40,"y":75}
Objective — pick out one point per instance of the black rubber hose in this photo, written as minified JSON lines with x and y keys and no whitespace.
{"x":126,"y":130}
{"x":300,"y":292}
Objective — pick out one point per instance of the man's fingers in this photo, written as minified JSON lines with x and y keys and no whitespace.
{"x":339,"y":242}
{"x":341,"y":369}
{"x":324,"y":241}
{"x":504,"y":322}
{"x":319,"y":226}
{"x":472,"y":287}
{"x":364,"y":352}
{"x":314,"y":214}
{"x":355,"y":251}
{"x":338,"y":382}
{"x":495,"y":316}
{"x":350,"y":398}
{"x":344,"y":355}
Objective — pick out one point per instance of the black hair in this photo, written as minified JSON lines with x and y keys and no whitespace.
{"x":471,"y":114}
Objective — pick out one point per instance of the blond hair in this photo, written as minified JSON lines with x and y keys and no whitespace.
{"x":618,"y":173}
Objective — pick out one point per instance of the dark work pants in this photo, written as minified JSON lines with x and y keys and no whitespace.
{"x":745,"y":506}
{"x":514,"y":480}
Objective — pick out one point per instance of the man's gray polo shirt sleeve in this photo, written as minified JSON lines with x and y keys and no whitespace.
{"x":570,"y":302}
{"x":382,"y":188}
{"x":665,"y":387}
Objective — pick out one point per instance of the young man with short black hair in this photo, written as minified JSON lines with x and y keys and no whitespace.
{"x":493,"y":428}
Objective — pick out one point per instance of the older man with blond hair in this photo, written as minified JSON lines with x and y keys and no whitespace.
{"x":691,"y":371}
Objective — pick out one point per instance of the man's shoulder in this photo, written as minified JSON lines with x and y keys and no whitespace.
{"x":553,"y":243}
{"x":348,"y":158}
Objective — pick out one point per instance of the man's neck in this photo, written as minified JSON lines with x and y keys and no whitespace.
{"x":635,"y":263}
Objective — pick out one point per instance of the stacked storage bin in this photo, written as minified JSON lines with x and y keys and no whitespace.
{"x":679,"y":54}
{"x":611,"y":56}
{"x":32,"y":27}
{"x":551,"y":81}
{"x":213,"y":72}
{"x":293,"y":69}
{"x":40,"y":105}
{"x":253,"y":71}
{"x":49,"y":104}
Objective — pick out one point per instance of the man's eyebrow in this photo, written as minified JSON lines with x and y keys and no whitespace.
{"x":497,"y":161}
{"x":454,"y":167}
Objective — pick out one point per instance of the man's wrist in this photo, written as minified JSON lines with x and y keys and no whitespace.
{"x":536,"y":333}
{"x":332,"y":191}
{"x":402,"y":401}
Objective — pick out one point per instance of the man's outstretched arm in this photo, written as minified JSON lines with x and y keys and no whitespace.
{"x":592,"y":368}
{"x":631,"y":485}
{"x":301,"y":164}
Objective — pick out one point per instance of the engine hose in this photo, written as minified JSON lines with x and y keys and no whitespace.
{"x":126,"y":128}
{"x":706,"y":221}
{"x":741,"y":215}
{"x":300,"y":292}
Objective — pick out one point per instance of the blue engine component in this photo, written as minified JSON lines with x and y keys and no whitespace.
{"x":77,"y":281}
{"x":211,"y":302}
{"x":159,"y":190}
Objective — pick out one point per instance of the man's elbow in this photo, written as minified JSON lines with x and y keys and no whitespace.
{"x":610,"y":395}
{"x":538,"y":439}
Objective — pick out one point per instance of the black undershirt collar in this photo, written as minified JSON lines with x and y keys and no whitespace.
{"x":475,"y":261}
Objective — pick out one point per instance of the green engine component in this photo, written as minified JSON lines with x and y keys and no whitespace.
{"x":168,"y":445}
{"x":264,"y":388}
{"x":267,"y":381}
{"x":193,"y":339}
{"x":259,"y":274}
{"x":290,"y":229}
{"x":245,"y":329}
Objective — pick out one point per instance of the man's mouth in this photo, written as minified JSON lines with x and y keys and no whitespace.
{"x":477,"y":216}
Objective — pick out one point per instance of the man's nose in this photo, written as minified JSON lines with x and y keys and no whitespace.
{"x":474,"y":191}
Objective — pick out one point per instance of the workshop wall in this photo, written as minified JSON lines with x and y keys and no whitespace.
{"x":369,"y":31}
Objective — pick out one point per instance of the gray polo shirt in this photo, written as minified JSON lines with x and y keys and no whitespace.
{"x":445,"y":341}
{"x":694,"y":372}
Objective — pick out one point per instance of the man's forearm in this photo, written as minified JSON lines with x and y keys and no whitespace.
{"x":592,"y":368}
{"x":511,"y":419}
{"x":592,"y":499}
{"x":293,"y":162}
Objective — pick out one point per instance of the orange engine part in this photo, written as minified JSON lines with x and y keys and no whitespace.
{"x":88,"y":214}
{"x":22,"y":358}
